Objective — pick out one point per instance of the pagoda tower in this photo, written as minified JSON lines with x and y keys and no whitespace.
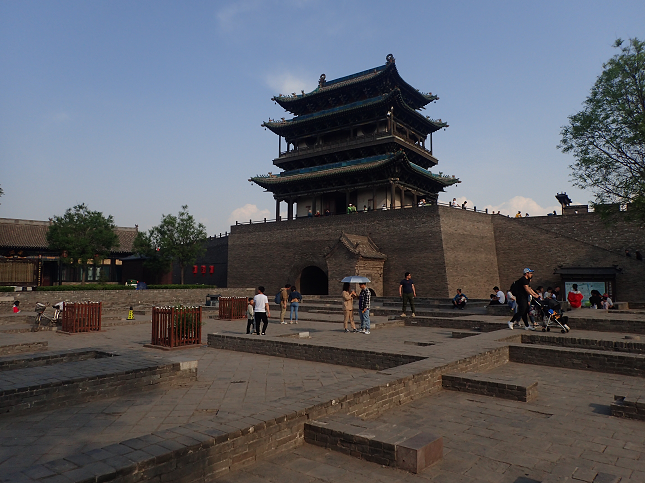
{"x":357,"y":140}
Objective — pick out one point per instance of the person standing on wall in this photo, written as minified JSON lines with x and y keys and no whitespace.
{"x":348,"y":307}
{"x":295,"y":298}
{"x":407,"y":292}
{"x":522,"y":290}
{"x":364,"y":299}
{"x":261,"y":310}
{"x":284,"y":298}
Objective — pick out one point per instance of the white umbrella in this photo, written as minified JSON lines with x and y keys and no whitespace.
{"x":356,"y":279}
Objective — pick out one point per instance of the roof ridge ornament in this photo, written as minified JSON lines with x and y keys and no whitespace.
{"x":389,"y":59}
{"x":321,"y":81}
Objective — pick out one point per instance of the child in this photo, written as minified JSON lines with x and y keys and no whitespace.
{"x":16,"y":307}
{"x":250,"y":315}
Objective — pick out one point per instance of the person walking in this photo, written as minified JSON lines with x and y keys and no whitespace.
{"x":295,"y":298}
{"x":261,"y":310}
{"x":407,"y":292}
{"x":284,"y":298}
{"x":521,"y":288}
{"x":364,"y":299}
{"x":348,"y":307}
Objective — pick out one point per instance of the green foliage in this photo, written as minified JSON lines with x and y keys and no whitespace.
{"x":185,"y":317}
{"x":7,"y":289}
{"x":89,"y":286}
{"x":607,"y":138}
{"x":176,"y":239}
{"x":83,"y":235}
{"x":178,"y":286}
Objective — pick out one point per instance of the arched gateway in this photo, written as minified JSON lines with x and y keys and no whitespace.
{"x":313,"y":281}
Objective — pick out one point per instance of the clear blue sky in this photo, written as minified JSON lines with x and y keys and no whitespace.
{"x":138,"y":107}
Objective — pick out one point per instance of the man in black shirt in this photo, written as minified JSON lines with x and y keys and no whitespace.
{"x":407,"y":292}
{"x":522,"y":289}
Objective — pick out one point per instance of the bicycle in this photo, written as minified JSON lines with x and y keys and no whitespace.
{"x":42,"y":317}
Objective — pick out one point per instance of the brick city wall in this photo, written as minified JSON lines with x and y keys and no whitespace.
{"x":444,"y":248}
{"x":545,"y":243}
{"x":412,"y":239}
{"x":469,"y":250}
{"x":216,"y":254}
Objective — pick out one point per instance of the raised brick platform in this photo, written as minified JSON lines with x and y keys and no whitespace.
{"x":28,"y":383}
{"x":385,"y":444}
{"x":586,"y":360}
{"x":628,"y":345}
{"x":481,"y":384}
{"x":310,"y":352}
{"x":632,"y":407}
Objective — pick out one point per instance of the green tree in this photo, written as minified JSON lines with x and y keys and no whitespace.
{"x":607,"y":138}
{"x":176,"y":239}
{"x":83,"y":237}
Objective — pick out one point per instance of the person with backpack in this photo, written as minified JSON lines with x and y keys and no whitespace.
{"x":281,"y":299}
{"x":521,"y":289}
{"x":295,"y":298}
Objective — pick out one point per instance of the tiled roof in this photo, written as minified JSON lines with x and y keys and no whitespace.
{"x":32,"y":234}
{"x":394,"y":95}
{"x":346,"y":167}
{"x":362,"y":245}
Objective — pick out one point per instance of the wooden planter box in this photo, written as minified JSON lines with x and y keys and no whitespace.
{"x":81,"y":317}
{"x":231,"y":308}
{"x":176,"y":326}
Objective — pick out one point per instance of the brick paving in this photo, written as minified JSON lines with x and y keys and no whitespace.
{"x":567,"y":432}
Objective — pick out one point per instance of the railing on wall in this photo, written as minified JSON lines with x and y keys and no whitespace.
{"x":81,"y":317}
{"x":231,"y":308}
{"x":176,"y":326}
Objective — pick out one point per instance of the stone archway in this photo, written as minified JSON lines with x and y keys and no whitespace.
{"x":313,"y":281}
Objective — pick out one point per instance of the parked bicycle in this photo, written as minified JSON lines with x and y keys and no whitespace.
{"x":43,"y":318}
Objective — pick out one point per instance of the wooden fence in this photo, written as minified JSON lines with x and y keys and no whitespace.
{"x":231,"y":308}
{"x":81,"y":317}
{"x":176,"y":326}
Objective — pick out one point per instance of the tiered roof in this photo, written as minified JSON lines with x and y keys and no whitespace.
{"x":351,"y":88}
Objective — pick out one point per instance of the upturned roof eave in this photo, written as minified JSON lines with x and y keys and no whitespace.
{"x":290,"y":103}
{"x":277,"y":180}
{"x":279,"y":128}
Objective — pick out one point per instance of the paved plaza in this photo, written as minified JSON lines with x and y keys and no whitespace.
{"x":566,"y":434}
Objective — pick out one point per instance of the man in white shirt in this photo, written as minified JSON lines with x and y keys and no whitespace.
{"x":261,"y":310}
{"x":497,"y":298}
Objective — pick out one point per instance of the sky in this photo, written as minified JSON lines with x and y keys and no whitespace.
{"x":136,"y":108}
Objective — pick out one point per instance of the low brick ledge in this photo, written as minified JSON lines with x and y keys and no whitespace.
{"x":84,"y":378}
{"x":586,"y":360}
{"x":455,"y":323}
{"x":385,"y":444}
{"x":311,"y":352}
{"x":515,"y":389}
{"x":631,"y":407}
{"x":585,"y":343}
{"x":11,"y":349}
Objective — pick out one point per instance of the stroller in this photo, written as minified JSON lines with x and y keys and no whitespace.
{"x":552,"y":316}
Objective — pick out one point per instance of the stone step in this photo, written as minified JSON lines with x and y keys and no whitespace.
{"x":505,"y":388}
{"x":385,"y":444}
